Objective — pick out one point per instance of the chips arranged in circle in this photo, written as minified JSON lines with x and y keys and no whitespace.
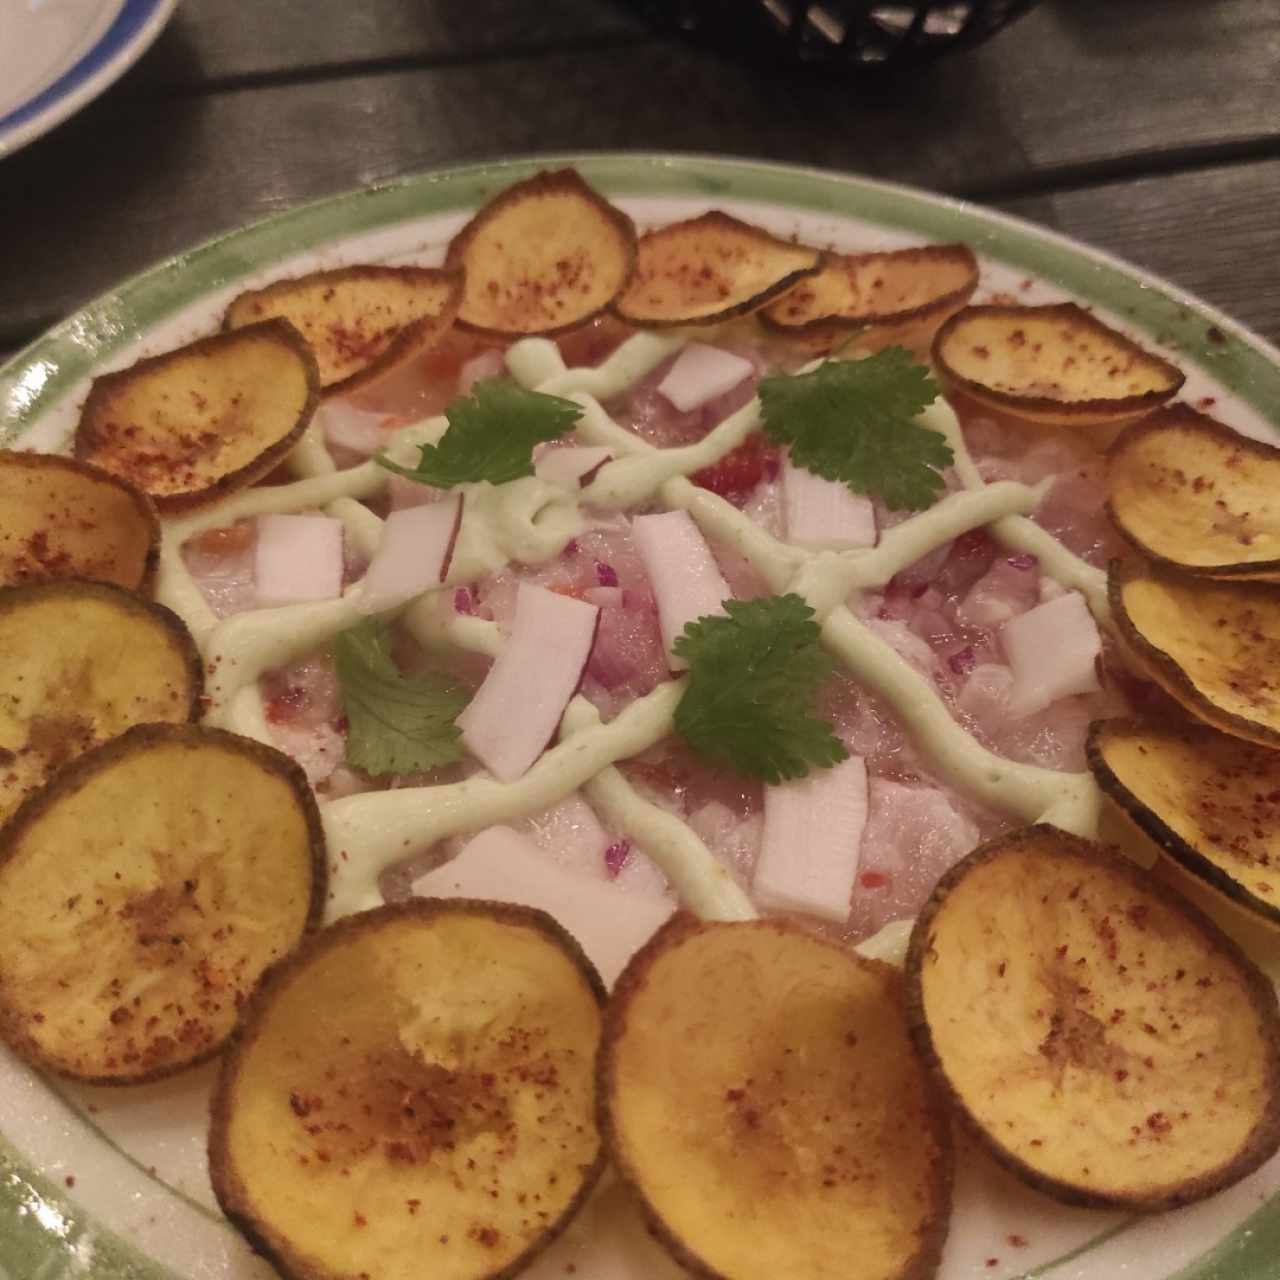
{"x":413,"y":1093}
{"x":202,"y":421}
{"x":360,"y":322}
{"x":79,"y":663}
{"x":708,"y":269}
{"x":1102,"y":1038}
{"x":542,"y":257}
{"x":143,"y":891}
{"x":1058,"y":365}
{"x":67,"y":519}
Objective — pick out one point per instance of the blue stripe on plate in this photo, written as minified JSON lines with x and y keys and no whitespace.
{"x":119,"y":35}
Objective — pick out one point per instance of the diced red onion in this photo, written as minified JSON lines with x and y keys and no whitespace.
{"x":1023,"y":560}
{"x":606,"y":574}
{"x":572,"y":466}
{"x":413,"y":554}
{"x":297,"y":559}
{"x":610,"y":922}
{"x":616,"y":856}
{"x":604,"y":597}
{"x":686,"y":580}
{"x":812,"y":839}
{"x":463,"y":601}
{"x":355,"y":430}
{"x":823,"y":513}
{"x":701,"y":373}
{"x":1053,"y":652}
{"x":963,"y":662}
{"x":514,"y":713}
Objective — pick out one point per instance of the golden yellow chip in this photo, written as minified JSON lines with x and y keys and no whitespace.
{"x":1056,"y":365}
{"x":79,"y":663}
{"x":1193,"y":494}
{"x":542,"y":257}
{"x":1214,"y":646}
{"x":143,"y":891}
{"x":760,"y":1093}
{"x":1102,"y":1038}
{"x":198,"y":423}
{"x":361,"y":322}
{"x":904,"y":288}
{"x":1208,"y":801}
{"x":708,"y":269}
{"x":413,"y":1094}
{"x":66,"y":519}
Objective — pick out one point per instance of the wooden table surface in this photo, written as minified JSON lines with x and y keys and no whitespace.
{"x":1147,"y":127}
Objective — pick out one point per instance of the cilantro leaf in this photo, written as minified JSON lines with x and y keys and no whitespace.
{"x":491,"y":435}
{"x":395,"y":724}
{"x":752,"y":679}
{"x":853,"y":421}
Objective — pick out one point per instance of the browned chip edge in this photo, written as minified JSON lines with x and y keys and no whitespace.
{"x":277,"y":330}
{"x":409,"y":340}
{"x":549,"y":182}
{"x":229,"y":1188}
{"x":71,"y":775}
{"x":1182,"y":417}
{"x":1113,"y":410}
{"x":633,"y":978}
{"x":142,"y":501}
{"x":820,"y":326}
{"x":754,"y":303}
{"x":1153,"y":826}
{"x":1162,"y":668}
{"x":1264,"y":1138}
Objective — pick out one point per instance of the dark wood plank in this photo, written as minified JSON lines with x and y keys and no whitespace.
{"x":1213,"y":232}
{"x":214,"y":41}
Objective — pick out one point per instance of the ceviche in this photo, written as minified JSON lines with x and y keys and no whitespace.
{"x":674,"y":721}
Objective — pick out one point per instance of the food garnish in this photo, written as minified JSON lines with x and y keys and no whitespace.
{"x":491,"y":436}
{"x":700,"y":373}
{"x":856,"y":292}
{"x":759,"y":1092}
{"x":753,"y":676}
{"x":1103,"y":1039}
{"x":198,"y":423}
{"x":854,"y":421}
{"x":296,"y":559}
{"x":395,"y":723}
{"x":543,"y":256}
{"x":708,"y":269}
{"x":517,"y":708}
{"x":413,"y":553}
{"x":1058,"y":365}
{"x":143,"y":891}
{"x":66,"y":519}
{"x":361,"y":322}
{"x":79,"y":663}
{"x":412,"y":1094}
{"x":1209,"y":802}
{"x":824,"y":513}
{"x":1194,"y":494}
{"x":1214,"y":646}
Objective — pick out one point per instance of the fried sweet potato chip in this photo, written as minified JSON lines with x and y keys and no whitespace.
{"x":708,"y":269}
{"x":902,"y":289}
{"x":1193,"y":494}
{"x":79,"y":663}
{"x":197,"y":423}
{"x":1056,"y":365}
{"x":1103,"y":1039}
{"x":542,"y":257}
{"x":1208,"y":801}
{"x":143,"y":891}
{"x":413,"y":1094}
{"x":1214,"y":646}
{"x":760,"y":1093}
{"x":67,"y":519}
{"x":361,"y":322}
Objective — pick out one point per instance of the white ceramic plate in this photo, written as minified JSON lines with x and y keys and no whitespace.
{"x":57,"y":55}
{"x":111,"y":1183}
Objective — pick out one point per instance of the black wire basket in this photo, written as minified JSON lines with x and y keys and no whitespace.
{"x":876,"y":35}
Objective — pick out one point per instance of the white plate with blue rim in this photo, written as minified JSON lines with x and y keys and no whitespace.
{"x":111,"y":1184}
{"x":58,"y":55}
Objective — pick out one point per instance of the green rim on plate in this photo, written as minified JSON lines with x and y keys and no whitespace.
{"x":43,"y":1233}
